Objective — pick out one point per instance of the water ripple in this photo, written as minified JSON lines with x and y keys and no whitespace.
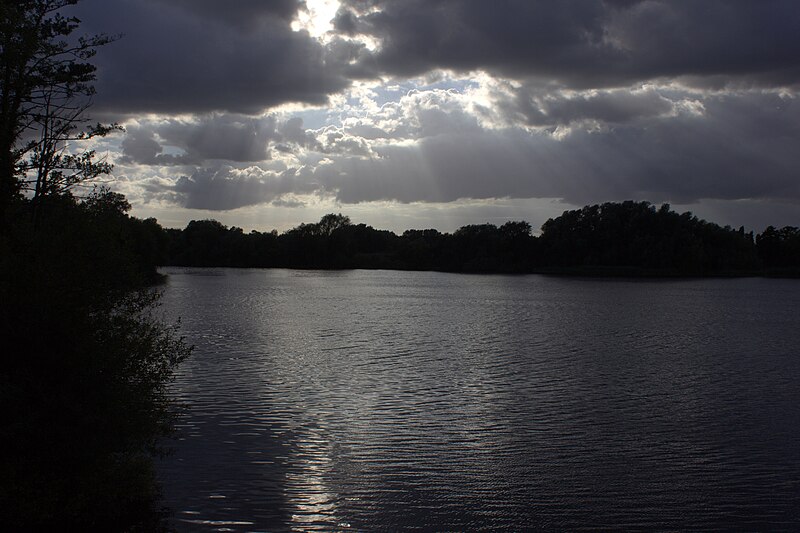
{"x":431,"y":402}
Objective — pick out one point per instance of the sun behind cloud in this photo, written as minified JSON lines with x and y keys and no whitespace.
{"x":317,"y":18}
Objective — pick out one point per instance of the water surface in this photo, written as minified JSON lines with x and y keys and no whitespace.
{"x":377,"y":400}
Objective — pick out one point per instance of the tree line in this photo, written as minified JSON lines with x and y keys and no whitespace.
{"x":626,"y":238}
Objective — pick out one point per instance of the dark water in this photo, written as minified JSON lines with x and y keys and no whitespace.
{"x":379,"y":401}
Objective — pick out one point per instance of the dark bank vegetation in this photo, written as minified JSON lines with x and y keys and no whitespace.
{"x":86,"y":360}
{"x":624,"y":239}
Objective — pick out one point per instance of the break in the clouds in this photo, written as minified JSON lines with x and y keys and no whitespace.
{"x":285,"y":104}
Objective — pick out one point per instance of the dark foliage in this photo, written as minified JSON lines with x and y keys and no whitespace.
{"x":83,"y":385}
{"x":628,"y":238}
{"x":83,"y":397}
{"x":637,"y":237}
{"x":45,"y":90}
{"x":779,"y":250}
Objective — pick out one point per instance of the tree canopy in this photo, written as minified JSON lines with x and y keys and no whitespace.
{"x":626,"y":238}
{"x":83,"y":385}
{"x":45,"y":91}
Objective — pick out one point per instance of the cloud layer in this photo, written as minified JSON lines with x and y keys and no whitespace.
{"x":186,"y":57}
{"x":431,"y":146}
{"x":609,"y":43}
{"x":431,"y":101}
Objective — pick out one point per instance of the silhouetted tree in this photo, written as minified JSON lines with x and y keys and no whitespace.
{"x":780,"y":248}
{"x":205,"y":242}
{"x":634,"y":237}
{"x":421,"y":249}
{"x":83,"y":385}
{"x":330,"y":223}
{"x":517,"y":246}
{"x":45,"y":89}
{"x":514,"y":230}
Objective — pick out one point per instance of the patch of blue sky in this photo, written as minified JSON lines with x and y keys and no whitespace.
{"x":316,"y":118}
{"x":394,"y":91}
{"x":168,"y":149}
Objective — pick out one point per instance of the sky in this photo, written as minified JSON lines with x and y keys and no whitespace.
{"x":402,"y":114}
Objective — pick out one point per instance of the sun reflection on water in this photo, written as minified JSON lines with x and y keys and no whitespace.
{"x":314,"y":503}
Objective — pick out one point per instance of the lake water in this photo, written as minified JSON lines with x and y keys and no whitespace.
{"x":421,"y":401}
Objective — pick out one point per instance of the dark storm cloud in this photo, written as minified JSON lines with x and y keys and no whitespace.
{"x":182,"y":56}
{"x":228,"y":137}
{"x":205,"y":55}
{"x":218,"y":190}
{"x":534,"y":106}
{"x":243,"y":13}
{"x":292,"y":133}
{"x":582,"y":43}
{"x":222,"y":188}
{"x":141,"y":147}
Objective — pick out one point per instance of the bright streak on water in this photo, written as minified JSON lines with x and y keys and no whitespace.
{"x":375,"y":401}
